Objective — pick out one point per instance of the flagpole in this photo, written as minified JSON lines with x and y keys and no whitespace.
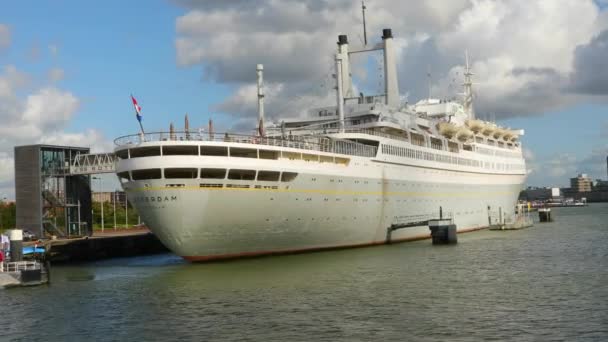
{"x":142,"y":127}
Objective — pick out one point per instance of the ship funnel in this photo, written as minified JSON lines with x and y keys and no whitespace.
{"x":347,"y":83}
{"x":339,"y":95}
{"x":391,"y":83}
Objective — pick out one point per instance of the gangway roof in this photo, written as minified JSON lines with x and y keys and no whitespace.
{"x":86,"y":164}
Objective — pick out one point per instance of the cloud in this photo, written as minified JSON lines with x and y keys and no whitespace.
{"x":40,"y":116}
{"x":91,"y":138}
{"x":590,"y":74}
{"x":524,"y":53}
{"x":56,"y":74}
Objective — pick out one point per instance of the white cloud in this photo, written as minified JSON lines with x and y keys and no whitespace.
{"x":56,"y":74}
{"x":50,"y":108}
{"x":5,"y":36}
{"x":91,"y":138}
{"x":523,"y":51}
{"x":40,"y":117}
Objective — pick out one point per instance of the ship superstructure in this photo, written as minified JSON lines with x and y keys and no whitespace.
{"x":337,"y":178}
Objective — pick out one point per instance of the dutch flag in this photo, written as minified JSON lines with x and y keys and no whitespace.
{"x":137,"y":108}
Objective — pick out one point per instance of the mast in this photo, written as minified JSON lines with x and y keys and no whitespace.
{"x":468,"y":88}
{"x":339,"y":95}
{"x":428,"y":74}
{"x":364,"y":28}
{"x":260,"y":73}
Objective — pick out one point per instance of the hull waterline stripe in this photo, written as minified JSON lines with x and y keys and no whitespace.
{"x":330,"y":192}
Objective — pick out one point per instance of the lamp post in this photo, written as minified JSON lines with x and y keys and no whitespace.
{"x":1,"y":209}
{"x":101,"y":203}
{"x":114,"y":209}
{"x":126,"y":211}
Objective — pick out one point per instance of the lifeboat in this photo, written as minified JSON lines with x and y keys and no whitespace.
{"x":447,"y":129}
{"x":488,"y":129}
{"x":475,"y":125}
{"x":464,"y":134}
{"x":508,"y":135}
{"x":498,"y":133}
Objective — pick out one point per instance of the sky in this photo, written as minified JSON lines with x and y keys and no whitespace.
{"x":67,"y":68}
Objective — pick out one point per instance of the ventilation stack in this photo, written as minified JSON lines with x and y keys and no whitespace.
{"x":391,"y":83}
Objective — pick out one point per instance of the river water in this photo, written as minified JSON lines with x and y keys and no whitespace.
{"x":548,"y":282}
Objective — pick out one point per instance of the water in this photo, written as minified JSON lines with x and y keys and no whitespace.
{"x":549,"y":282}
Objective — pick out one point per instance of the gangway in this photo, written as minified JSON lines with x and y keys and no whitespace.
{"x":87,"y":164}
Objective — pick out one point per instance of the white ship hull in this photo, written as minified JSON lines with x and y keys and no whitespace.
{"x":326,"y":206}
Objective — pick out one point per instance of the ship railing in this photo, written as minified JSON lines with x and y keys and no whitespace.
{"x":318,"y":129}
{"x":303,"y":142}
{"x":17,"y":266}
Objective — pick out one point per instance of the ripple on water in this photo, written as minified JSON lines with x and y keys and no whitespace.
{"x":543,"y":283}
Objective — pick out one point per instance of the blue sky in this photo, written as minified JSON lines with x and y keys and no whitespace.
{"x":105,"y":60}
{"x":107,"y":50}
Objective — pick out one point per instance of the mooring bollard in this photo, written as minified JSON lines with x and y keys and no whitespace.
{"x":16,"y":237}
{"x":544,"y":215}
{"x":443,"y":232}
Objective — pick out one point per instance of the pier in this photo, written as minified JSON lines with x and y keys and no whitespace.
{"x":113,"y":244}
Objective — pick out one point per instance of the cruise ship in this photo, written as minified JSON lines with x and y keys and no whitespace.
{"x":340,"y":177}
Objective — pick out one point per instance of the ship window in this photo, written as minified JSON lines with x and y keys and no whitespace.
{"x":181,"y":173}
{"x":214,"y":151}
{"x":122,"y":154}
{"x":213,"y":173}
{"x":436,"y":143}
{"x":243,"y":152}
{"x":180,"y":150}
{"x":467,"y":147}
{"x":340,"y":160}
{"x":265,"y":154}
{"x":148,"y":151}
{"x":417,"y":139}
{"x":292,"y":155}
{"x":146,"y":174}
{"x":241,"y":174}
{"x":288,"y":176}
{"x":310,"y":157}
{"x":452,"y":147}
{"x":124,"y":176}
{"x":271,"y":176}
{"x":211,"y":185}
{"x":326,"y":159}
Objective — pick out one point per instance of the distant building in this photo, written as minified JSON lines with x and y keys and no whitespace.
{"x":536,"y":194}
{"x":109,"y":197}
{"x":582,"y":183}
{"x":600,"y":185}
